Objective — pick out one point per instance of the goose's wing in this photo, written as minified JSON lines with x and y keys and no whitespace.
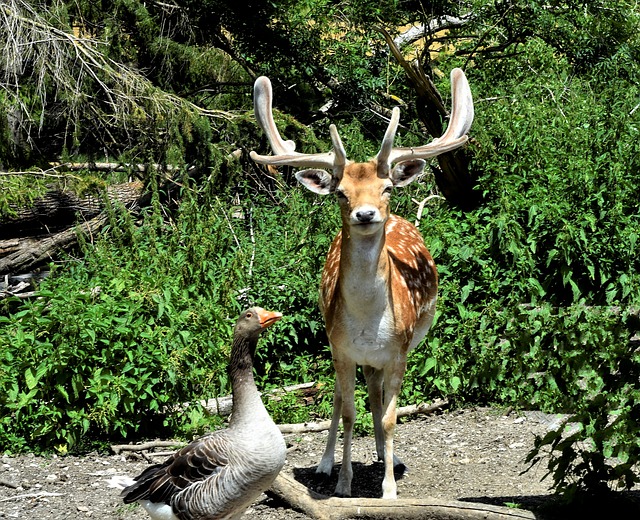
{"x":199,"y":460}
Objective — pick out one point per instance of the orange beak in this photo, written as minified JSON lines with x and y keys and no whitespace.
{"x":268,"y":318}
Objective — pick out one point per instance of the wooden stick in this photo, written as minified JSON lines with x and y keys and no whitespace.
{"x":402,"y":411}
{"x":322,"y":507}
{"x":160,"y":454}
{"x":32,"y":495}
{"x":118,"y":448}
{"x":421,"y":206}
{"x":308,"y":427}
{"x":415,"y":409}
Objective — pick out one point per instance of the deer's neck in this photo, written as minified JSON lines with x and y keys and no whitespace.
{"x":364,"y":271}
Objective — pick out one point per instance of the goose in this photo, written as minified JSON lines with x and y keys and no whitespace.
{"x":219,"y":475}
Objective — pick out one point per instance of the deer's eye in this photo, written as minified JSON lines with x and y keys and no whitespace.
{"x":387,"y":190}
{"x":341,"y":195}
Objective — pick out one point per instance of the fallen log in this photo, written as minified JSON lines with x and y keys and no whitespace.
{"x":402,"y":411}
{"x":59,"y":209}
{"x":34,"y":252}
{"x":30,"y":252}
{"x":323,"y":507}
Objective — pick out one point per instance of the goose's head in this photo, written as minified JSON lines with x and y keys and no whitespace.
{"x":254,"y":320}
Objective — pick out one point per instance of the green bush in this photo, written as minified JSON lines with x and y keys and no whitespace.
{"x":540,"y":285}
{"x":593,"y":376}
{"x":144,"y":322}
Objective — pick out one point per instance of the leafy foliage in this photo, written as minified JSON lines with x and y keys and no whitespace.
{"x":144,"y":324}
{"x":539,"y":287}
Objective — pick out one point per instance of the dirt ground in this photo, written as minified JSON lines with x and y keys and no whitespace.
{"x":470,"y":455}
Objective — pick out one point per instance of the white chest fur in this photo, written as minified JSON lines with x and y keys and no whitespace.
{"x":367,"y":323}
{"x":371,"y":340}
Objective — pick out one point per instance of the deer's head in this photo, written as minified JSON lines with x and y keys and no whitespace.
{"x":363,"y":189}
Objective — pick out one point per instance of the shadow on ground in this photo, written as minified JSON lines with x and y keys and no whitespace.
{"x":367,"y":479}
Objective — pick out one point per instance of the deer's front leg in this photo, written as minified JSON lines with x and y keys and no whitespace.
{"x":345,"y":379}
{"x":328,"y":457}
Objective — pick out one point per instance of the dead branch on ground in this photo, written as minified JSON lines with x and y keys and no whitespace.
{"x":323,"y":507}
{"x":402,"y":411}
{"x":32,"y":495}
{"x":119,"y":448}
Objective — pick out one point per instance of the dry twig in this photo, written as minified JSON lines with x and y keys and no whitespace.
{"x":119,"y":448}
{"x":31,"y":495}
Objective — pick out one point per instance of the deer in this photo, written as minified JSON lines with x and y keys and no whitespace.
{"x":379,"y":284}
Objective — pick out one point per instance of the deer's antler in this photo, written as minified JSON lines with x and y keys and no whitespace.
{"x":285,"y":154}
{"x":284,"y":151}
{"x":455,"y":136}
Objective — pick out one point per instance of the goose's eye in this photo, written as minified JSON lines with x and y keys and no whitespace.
{"x":249,"y":315}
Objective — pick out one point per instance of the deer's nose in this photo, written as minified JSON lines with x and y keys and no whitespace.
{"x":365,"y":215}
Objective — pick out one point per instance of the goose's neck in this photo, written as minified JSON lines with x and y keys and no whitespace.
{"x":246,"y":399}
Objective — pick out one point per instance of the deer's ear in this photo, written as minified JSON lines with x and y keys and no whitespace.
{"x":406,"y":172}
{"x":318,"y":181}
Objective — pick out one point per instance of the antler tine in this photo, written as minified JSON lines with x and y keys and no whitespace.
{"x":459,"y":124}
{"x":462,"y":106}
{"x":284,"y":151}
{"x":387,"y":143}
{"x":263,"y":110}
{"x":340,"y":155}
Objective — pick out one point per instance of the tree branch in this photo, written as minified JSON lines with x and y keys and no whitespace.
{"x":323,"y":507}
{"x":441,"y":23}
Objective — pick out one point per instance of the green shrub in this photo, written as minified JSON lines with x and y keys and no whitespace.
{"x":144,"y":323}
{"x":540,"y":285}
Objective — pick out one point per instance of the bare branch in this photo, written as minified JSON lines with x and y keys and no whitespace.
{"x":119,"y":448}
{"x":31,"y":495}
{"x":33,"y":46}
{"x":323,"y":507}
{"x":438,"y":24}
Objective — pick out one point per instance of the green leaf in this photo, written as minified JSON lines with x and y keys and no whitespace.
{"x":429,"y":365}
{"x":30,"y":378}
